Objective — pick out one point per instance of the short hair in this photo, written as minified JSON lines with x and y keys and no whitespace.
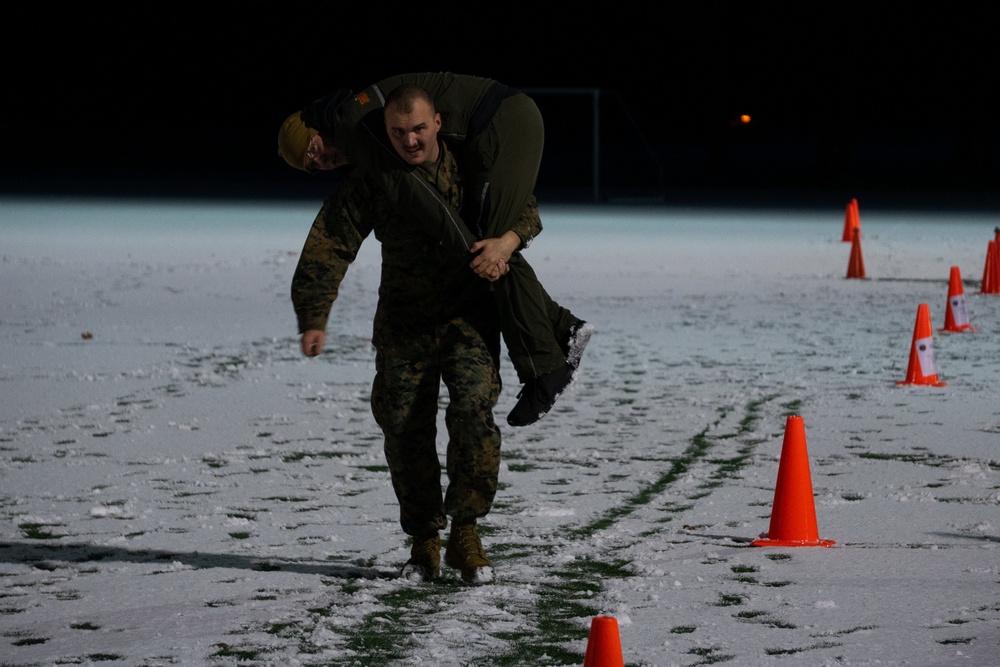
{"x":405,"y":95}
{"x":293,"y":140}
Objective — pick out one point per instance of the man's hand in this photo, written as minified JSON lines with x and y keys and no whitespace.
{"x":312,"y":342}
{"x":494,"y":253}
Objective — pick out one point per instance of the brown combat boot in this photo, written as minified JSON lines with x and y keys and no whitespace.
{"x":465,"y":554}
{"x":425,"y":559}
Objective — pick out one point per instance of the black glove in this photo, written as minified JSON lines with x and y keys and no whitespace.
{"x":320,"y":114}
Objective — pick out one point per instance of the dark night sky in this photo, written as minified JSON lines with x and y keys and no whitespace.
{"x":168,"y":97}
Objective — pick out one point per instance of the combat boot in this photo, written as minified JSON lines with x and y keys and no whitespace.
{"x":465,"y":554}
{"x":539,"y":394}
{"x":425,"y":559}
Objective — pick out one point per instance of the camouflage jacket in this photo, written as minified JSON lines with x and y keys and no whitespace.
{"x":420,"y":288}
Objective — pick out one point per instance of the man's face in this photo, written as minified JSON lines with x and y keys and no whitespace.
{"x":413,"y":134}
{"x":322,"y":156}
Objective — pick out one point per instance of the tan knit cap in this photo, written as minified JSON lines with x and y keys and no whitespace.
{"x":293,"y":140}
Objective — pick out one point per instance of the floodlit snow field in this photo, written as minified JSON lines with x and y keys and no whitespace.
{"x":178,"y":485}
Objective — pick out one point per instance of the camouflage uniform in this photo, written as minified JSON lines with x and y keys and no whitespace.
{"x":497,"y":133}
{"x":435,"y":321}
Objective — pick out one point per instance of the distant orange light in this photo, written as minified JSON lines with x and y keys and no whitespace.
{"x":745,"y":119}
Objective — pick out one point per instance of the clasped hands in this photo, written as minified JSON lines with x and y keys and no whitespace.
{"x":493,"y":256}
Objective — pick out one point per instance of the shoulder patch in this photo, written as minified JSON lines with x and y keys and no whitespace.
{"x":362,"y":98}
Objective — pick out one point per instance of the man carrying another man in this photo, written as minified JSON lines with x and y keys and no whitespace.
{"x":498,"y":134}
{"x":436,"y":321}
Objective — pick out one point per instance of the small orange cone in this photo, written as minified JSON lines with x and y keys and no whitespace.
{"x":921,"y":369}
{"x":856,"y":264}
{"x":991,"y":271}
{"x":604,"y":648}
{"x":956,"y":316}
{"x":793,"y":515}
{"x":851,"y":221}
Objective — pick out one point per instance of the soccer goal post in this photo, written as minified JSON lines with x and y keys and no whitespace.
{"x":599,"y":119}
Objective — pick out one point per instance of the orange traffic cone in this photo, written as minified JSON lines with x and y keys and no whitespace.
{"x":851,"y":221}
{"x":991,"y":271}
{"x":793,"y":515}
{"x":604,"y":648}
{"x":856,"y":264}
{"x":921,"y":369}
{"x":956,"y":317}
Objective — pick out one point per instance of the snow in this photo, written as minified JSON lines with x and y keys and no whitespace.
{"x":178,"y":485}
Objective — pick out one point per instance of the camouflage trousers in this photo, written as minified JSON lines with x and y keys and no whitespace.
{"x":405,"y":405}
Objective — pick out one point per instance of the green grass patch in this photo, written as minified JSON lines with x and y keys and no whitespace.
{"x":860,"y":628}
{"x":729,"y":600}
{"x":37,"y":531}
{"x":84,"y":626}
{"x":30,"y":641}
{"x":282,"y":629}
{"x":793,"y":651}
{"x":965,"y":501}
{"x":926,"y":459}
{"x":299,"y":456}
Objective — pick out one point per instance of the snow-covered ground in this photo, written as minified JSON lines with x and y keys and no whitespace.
{"x":178,"y":485}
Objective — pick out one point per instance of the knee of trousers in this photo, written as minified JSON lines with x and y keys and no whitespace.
{"x":398,"y":417}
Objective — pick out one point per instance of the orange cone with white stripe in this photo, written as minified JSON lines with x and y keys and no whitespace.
{"x":852,"y":221}
{"x":922,"y":369}
{"x":991,"y":271}
{"x":956,"y":316}
{"x":793,"y":515}
{"x":856,"y":264}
